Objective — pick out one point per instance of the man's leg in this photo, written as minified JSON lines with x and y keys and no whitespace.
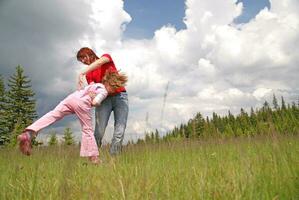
{"x":102,"y":114}
{"x":120,"y":110}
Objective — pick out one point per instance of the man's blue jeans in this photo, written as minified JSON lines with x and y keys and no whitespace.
{"x":119,"y":105}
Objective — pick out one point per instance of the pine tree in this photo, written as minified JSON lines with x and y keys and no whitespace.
{"x":275,"y":103}
{"x":18,"y":128}
{"x":147,"y":137}
{"x":188,"y":129}
{"x":199,"y":123}
{"x":21,"y":102}
{"x":68,"y":137}
{"x":244,"y":122}
{"x":53,"y":139}
{"x":152,"y":137}
{"x":266,"y":111}
{"x":4,"y":137}
{"x":157,"y":137}
{"x":228,"y":131}
{"x":232,"y":120}
{"x":2,"y":95}
{"x":295,"y":110}
{"x":253,"y":118}
{"x":283,"y":105}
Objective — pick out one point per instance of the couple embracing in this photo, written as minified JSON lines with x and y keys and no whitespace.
{"x":105,"y":92}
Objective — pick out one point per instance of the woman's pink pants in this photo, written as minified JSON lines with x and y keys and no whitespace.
{"x":78,"y":104}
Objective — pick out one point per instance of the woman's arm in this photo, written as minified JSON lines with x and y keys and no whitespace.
{"x":96,"y":64}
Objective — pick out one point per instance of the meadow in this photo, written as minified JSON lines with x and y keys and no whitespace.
{"x":240,"y":168}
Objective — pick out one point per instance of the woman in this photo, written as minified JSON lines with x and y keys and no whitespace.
{"x":116,"y":102}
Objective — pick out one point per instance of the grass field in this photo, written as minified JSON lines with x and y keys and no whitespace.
{"x":243,"y":168}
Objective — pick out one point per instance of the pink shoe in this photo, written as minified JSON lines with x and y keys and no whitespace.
{"x":25,"y":143}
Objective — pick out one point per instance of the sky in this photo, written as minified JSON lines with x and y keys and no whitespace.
{"x":181,"y":57}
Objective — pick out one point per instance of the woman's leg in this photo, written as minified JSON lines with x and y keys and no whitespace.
{"x":120,"y":110}
{"x":102,"y":114}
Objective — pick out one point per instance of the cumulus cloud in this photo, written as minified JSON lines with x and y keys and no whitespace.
{"x":213,"y":65}
{"x":216,"y":65}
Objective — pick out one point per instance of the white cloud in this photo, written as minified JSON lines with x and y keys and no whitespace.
{"x":108,"y":20}
{"x":206,"y":67}
{"x":212,"y":65}
{"x":260,"y":93}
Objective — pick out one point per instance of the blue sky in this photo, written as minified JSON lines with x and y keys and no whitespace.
{"x":251,"y":8}
{"x":148,"y":16}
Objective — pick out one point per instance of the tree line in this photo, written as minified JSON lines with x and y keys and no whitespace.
{"x":275,"y":119}
{"x":18,"y":110}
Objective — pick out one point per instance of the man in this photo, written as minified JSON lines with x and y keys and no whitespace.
{"x":116,"y":102}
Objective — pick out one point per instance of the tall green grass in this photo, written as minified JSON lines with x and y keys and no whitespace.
{"x":243,"y":168}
